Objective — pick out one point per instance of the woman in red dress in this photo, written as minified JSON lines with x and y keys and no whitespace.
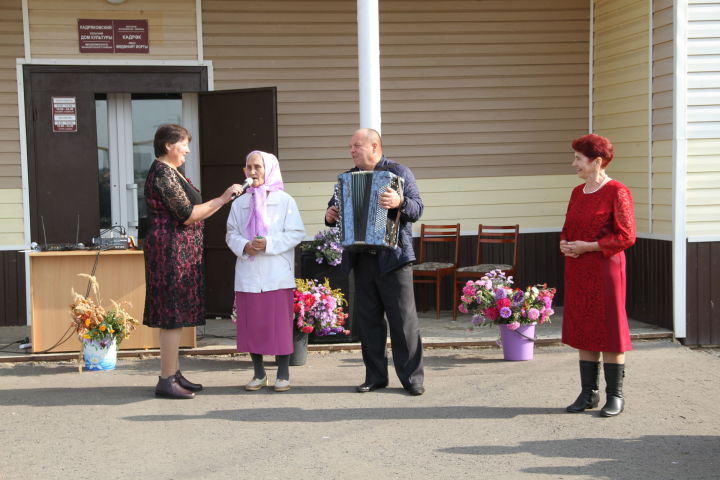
{"x":599,"y":226}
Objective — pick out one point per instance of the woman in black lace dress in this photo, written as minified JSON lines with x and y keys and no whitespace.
{"x":174,"y":271}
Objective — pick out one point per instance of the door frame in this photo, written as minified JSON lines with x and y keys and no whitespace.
{"x":26,"y":68}
{"x":124,"y":204}
{"x":118,"y":111}
{"x":202,"y":68}
{"x":95,"y":79}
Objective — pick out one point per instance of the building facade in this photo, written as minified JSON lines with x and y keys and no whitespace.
{"x":480,"y":99}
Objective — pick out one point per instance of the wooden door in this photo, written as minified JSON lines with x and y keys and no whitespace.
{"x":63,"y":170}
{"x":232,"y":124}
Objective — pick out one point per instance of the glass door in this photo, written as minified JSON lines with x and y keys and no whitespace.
{"x":126,"y":125}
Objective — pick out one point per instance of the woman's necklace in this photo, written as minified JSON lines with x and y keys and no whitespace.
{"x":596,"y":187}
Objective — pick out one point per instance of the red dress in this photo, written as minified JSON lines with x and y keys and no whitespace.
{"x":594,"y":316}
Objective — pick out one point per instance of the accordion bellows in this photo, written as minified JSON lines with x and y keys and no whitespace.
{"x":363,"y":223}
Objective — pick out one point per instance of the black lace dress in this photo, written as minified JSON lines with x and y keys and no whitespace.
{"x":174,"y":269}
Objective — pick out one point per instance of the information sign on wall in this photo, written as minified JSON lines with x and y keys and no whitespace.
{"x":131,"y":36}
{"x":113,"y":36}
{"x":64,"y":114}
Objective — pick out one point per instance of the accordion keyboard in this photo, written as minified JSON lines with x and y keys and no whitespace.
{"x":363,"y":223}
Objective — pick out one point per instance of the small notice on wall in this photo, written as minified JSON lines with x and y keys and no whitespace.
{"x":113,"y":36}
{"x":64,"y":114}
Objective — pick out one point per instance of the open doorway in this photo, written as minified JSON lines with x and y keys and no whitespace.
{"x":126,"y":124}
{"x":63,"y":167}
{"x":66,"y":169}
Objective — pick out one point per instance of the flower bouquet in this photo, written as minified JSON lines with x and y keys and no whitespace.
{"x":99,"y":329}
{"x":492,"y":300}
{"x":326,"y":246}
{"x":319,"y":308}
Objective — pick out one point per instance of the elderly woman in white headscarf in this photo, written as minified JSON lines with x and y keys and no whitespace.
{"x":263,"y":229}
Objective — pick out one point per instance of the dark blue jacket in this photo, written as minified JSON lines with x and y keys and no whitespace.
{"x":410,"y":212}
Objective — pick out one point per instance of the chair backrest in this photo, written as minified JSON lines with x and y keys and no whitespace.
{"x":440,"y":234}
{"x":497,"y":234}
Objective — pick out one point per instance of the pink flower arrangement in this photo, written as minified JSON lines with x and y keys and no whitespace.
{"x":492,"y":300}
{"x":319,"y":308}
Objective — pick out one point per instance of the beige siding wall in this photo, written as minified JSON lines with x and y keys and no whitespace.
{"x":620,"y":94}
{"x":703,"y":188}
{"x":11,"y":47}
{"x":308,"y":51}
{"x":537,"y":204}
{"x":171,"y":27}
{"x":480,"y":99}
{"x":662,"y":115}
{"x":703,"y":114}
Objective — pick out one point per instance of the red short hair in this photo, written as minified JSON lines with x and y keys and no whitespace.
{"x":593,"y":146}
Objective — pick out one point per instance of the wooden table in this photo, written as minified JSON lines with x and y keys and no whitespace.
{"x":121,"y":275}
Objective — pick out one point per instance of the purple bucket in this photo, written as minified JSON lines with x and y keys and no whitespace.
{"x":517,"y":344}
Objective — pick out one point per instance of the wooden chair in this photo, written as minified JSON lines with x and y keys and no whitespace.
{"x":429,"y":272}
{"x":487,"y":234}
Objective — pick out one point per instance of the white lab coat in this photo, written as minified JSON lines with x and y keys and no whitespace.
{"x":273,"y":269}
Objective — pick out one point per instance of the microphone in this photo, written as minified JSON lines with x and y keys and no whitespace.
{"x":246,"y":184}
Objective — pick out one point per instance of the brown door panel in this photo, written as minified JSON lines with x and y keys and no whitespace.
{"x":219,"y":281}
{"x":232,"y":124}
{"x":66,"y":172}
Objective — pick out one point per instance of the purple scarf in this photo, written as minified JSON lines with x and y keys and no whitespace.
{"x":257,"y":223}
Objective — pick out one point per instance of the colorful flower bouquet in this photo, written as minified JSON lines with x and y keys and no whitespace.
{"x":93,"y":322}
{"x":318,"y":308}
{"x":492,"y":301}
{"x":326,"y":246}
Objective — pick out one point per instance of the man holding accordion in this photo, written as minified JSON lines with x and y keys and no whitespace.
{"x":383,"y":273}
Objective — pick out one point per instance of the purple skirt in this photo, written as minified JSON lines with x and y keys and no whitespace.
{"x":265,"y":322}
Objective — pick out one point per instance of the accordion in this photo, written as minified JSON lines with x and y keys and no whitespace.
{"x":363,"y":223}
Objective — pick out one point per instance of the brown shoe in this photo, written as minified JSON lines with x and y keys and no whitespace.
{"x":170,"y":388}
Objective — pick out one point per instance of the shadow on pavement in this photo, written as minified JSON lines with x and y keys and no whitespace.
{"x":324,"y":415}
{"x":144,"y":366}
{"x":448,"y":361}
{"x":649,"y":456}
{"x":62,"y":397}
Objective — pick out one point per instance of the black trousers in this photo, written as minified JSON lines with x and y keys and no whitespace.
{"x":391,"y":295}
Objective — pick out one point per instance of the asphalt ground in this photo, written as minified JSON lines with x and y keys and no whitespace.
{"x":481,"y":417}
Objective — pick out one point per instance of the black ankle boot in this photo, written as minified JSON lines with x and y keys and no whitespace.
{"x":170,"y":388}
{"x":589,"y":396}
{"x":187,"y":384}
{"x":615,"y":403}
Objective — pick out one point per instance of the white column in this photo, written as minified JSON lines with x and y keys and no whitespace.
{"x":368,"y":25}
{"x":679,"y":177}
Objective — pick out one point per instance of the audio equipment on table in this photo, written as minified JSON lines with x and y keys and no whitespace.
{"x":60,"y":247}
{"x":113,"y":238}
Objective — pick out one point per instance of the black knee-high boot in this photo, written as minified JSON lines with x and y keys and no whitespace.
{"x":615,"y":403}
{"x":589,"y":396}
